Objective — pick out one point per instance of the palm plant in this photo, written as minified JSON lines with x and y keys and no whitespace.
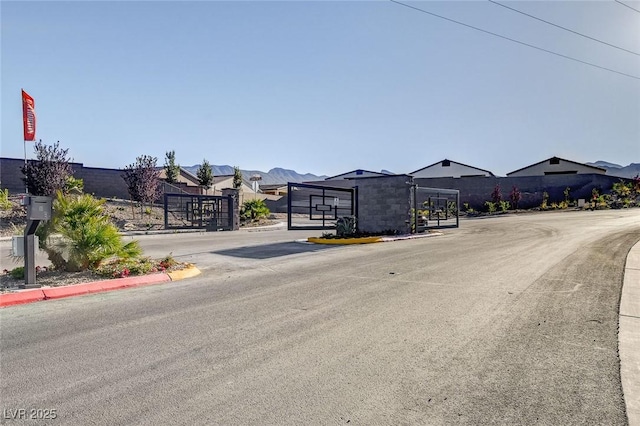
{"x":86,"y":235}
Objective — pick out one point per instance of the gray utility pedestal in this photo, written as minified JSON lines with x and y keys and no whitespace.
{"x":38,"y":209}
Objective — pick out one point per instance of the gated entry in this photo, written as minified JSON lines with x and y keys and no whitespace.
{"x":187,"y":211}
{"x":317,"y":207}
{"x":435,"y":208}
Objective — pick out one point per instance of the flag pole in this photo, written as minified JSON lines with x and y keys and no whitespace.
{"x":26,"y":187}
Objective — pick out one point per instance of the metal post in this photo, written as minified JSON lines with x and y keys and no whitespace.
{"x":458,"y":209}
{"x":166,"y":211}
{"x":30,"y":255}
{"x":415,"y":209}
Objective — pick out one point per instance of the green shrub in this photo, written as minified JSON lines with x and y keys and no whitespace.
{"x":73,"y":184}
{"x":121,"y":268}
{"x":504,"y":206}
{"x":545,"y":200}
{"x":5,"y":204}
{"x":87,"y":236}
{"x":346,"y":226}
{"x":17,"y":273}
{"x":254,"y":210}
{"x":491,"y":206}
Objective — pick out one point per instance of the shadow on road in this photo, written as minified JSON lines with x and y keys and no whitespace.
{"x":268,"y":251}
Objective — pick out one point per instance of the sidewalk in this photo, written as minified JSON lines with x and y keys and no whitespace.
{"x":629,"y":336}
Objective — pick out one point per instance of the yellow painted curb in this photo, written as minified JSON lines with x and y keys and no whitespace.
{"x":189,"y":272}
{"x":363,"y":240}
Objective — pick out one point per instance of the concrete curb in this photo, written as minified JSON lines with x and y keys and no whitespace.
{"x":629,"y":336}
{"x":344,"y":241}
{"x":46,"y":293}
{"x":367,"y":240}
{"x":189,"y":272}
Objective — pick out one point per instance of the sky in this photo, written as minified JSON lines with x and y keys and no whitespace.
{"x":323,"y":87}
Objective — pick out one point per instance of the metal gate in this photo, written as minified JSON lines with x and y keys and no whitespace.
{"x":434,"y":208}
{"x":318,"y":207}
{"x":188,"y":211}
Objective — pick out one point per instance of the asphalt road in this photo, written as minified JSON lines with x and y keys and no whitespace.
{"x":509,"y":320}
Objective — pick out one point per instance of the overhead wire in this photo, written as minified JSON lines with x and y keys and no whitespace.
{"x":564,"y":28}
{"x":626,"y":5}
{"x":515,"y":41}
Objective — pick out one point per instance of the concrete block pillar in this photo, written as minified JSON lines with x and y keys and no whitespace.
{"x":235,"y":205}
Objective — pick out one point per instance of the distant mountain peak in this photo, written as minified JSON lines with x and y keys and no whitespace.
{"x":605,"y":164}
{"x":630,"y":171}
{"x":274,"y":176}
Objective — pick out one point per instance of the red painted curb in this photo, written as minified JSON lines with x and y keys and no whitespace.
{"x":66,"y":291}
{"x":47,"y":293}
{"x":27,"y":296}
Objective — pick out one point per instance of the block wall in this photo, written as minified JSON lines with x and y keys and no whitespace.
{"x":477,"y":190}
{"x":384,"y":203}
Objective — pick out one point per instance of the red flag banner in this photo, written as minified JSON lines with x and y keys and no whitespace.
{"x":28,"y":117}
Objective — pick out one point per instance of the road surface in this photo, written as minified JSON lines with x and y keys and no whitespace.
{"x":507,"y":320}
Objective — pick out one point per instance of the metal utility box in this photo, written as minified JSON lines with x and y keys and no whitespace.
{"x":39,"y":208}
{"x":17,"y":245}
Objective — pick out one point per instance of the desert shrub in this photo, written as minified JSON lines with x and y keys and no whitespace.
{"x":49,"y":172}
{"x":167,"y":262}
{"x":545,"y":200}
{"x":143,"y":180}
{"x":496,"y":195}
{"x":346,"y":226}
{"x":254,"y":209}
{"x":515,"y":196}
{"x":73,"y":184}
{"x":122,"y":268}
{"x":86,"y":235}
{"x":5,"y":204}
{"x":491,"y":206}
{"x":17,"y":273}
{"x":504,"y":206}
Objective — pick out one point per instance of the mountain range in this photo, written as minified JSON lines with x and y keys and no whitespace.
{"x":613,"y":169}
{"x":279,"y":175}
{"x":273,"y":176}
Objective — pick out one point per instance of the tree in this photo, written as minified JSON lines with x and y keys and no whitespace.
{"x":496,"y":195}
{"x":237,"y":178}
{"x":49,"y":172}
{"x":515,"y":197}
{"x":171,"y":169}
{"x":205,"y":174}
{"x":143,"y":179}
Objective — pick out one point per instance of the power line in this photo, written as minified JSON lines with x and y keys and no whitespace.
{"x":624,"y":4}
{"x":561,"y":27}
{"x":514,"y":40}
